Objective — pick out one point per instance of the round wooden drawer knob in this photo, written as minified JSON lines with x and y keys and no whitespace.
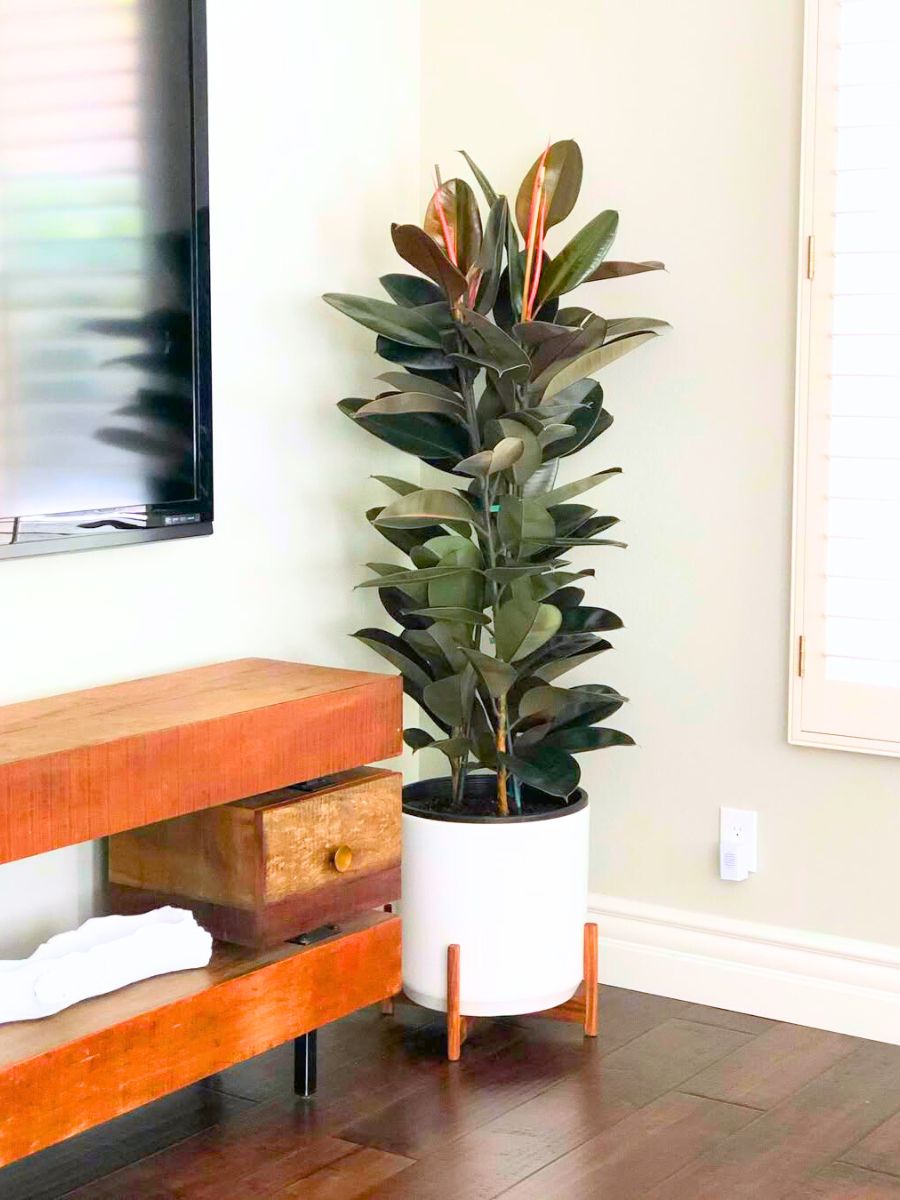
{"x":342,"y":858}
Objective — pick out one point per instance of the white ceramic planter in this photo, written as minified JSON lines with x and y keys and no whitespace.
{"x":512,"y":893}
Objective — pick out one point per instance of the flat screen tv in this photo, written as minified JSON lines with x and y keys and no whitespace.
{"x":105,"y":396}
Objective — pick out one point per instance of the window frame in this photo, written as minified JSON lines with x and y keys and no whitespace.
{"x":810,"y":714}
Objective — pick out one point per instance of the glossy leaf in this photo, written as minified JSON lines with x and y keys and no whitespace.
{"x":401,"y":381}
{"x":579,"y":739}
{"x":527,"y":462}
{"x":428,"y":436}
{"x":489,"y":194}
{"x":463,"y":219}
{"x":407,"y":325}
{"x":490,"y":257}
{"x":522,"y":627}
{"x":580,"y":257}
{"x":563,"y":169}
{"x":568,"y":491}
{"x":425,"y":507}
{"x":521,"y":521}
{"x":416,"y":358}
{"x":491,"y":347}
{"x":401,"y":486}
{"x":422,"y":252}
{"x":596,"y":360}
{"x":411,"y":290}
{"x":417,"y":739}
{"x":560,"y":666}
{"x":411,"y":665}
{"x":401,"y":578}
{"x":615,"y":270}
{"x":489,"y":462}
{"x":449,"y":698}
{"x":464,"y":616}
{"x":406,"y":402}
{"x":498,"y":676}
{"x":548,"y":768}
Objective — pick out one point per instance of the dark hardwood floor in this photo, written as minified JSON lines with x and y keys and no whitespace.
{"x":674,"y":1101}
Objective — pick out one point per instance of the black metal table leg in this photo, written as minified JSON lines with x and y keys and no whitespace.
{"x":305,"y":1064}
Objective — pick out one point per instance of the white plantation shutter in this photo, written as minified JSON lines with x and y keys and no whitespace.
{"x":846,"y":613}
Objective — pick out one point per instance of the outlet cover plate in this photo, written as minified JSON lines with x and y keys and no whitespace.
{"x":740,"y":825}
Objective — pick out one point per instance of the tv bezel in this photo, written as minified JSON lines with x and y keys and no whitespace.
{"x":199,"y":510}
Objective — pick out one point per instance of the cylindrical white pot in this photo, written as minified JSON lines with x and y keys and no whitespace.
{"x":511,"y":892}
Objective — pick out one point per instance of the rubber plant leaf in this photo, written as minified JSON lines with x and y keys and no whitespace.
{"x":425,"y":507}
{"x":615,"y":270}
{"x":406,"y":402}
{"x":433,"y":438}
{"x":561,"y":666}
{"x":417,"y":739}
{"x":498,"y":676}
{"x":411,"y":290}
{"x":422,"y":252}
{"x":527,"y":462}
{"x":410,"y":664}
{"x":578,"y":739}
{"x":547,"y":768}
{"x":406,"y":325}
{"x":490,"y":257}
{"x":464,"y":616}
{"x":522,"y":626}
{"x":563,"y":169}
{"x":404,"y":382}
{"x":596,"y":360}
{"x":489,"y":194}
{"x":415,"y":357}
{"x":580,"y":257}
{"x":568,"y":491}
{"x":463,"y":218}
{"x":493,"y":348}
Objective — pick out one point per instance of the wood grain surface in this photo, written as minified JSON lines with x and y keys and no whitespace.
{"x":92,"y":763}
{"x":110,"y":1054}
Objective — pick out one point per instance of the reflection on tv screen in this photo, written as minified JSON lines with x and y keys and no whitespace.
{"x":96,"y":344}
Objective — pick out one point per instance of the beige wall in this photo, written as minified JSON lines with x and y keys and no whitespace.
{"x":314,"y":150}
{"x":688,"y":114}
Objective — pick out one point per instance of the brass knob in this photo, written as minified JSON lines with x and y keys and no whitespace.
{"x":342,"y":858}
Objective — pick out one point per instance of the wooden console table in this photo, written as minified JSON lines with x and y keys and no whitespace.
{"x":93,"y":763}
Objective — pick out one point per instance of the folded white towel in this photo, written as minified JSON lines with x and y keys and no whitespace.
{"x":102,"y":955}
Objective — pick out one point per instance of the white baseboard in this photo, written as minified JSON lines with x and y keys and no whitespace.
{"x":791,"y":975}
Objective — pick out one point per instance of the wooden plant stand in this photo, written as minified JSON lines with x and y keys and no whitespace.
{"x":582,"y":1008}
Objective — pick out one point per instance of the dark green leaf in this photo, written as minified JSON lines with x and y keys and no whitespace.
{"x":389,"y":646}
{"x":489,"y":194}
{"x":568,"y":491}
{"x":407,"y":325}
{"x":395,"y":403}
{"x":596,"y":360}
{"x":414,"y":357}
{"x":497,"y":675}
{"x":433,"y":438}
{"x":579,"y":738}
{"x":425,"y":507}
{"x":615,"y":270}
{"x":411,"y":290}
{"x":493,"y":348}
{"x":589,"y":620}
{"x":490,"y":259}
{"x":417,"y":739}
{"x":547,"y":768}
{"x":404,"y":382}
{"x":521,"y":627}
{"x":580,"y":257}
{"x":464,"y":616}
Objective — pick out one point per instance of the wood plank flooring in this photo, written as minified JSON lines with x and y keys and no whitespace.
{"x":673,"y":1101}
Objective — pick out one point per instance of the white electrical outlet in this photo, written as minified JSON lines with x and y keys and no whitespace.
{"x":738,"y":831}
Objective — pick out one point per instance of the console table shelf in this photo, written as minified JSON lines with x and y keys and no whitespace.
{"x":103,"y":1057}
{"x":98,"y":762}
{"x":92,"y":763}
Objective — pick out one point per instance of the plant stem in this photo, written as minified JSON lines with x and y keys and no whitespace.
{"x":502,"y":801}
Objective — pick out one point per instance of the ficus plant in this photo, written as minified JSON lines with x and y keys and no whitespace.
{"x":491,"y":385}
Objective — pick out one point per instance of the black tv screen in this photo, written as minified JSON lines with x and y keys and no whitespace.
{"x":105,"y":426}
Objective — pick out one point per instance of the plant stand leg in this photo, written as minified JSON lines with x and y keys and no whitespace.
{"x":590,"y":979}
{"x":305,"y":1057}
{"x":387,"y":1006}
{"x":455,"y":1021}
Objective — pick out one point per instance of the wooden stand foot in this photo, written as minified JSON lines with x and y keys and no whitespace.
{"x":590,"y":979}
{"x":455,"y":1021}
{"x":387,"y":1007}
